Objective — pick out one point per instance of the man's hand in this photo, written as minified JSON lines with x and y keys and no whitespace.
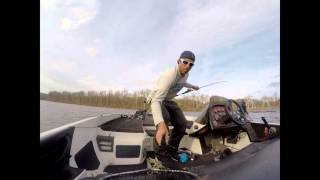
{"x":195,"y":88}
{"x":162,"y":132}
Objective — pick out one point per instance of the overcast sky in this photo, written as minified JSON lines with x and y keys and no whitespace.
{"x":103,"y":45}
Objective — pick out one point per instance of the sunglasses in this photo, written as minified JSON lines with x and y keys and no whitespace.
{"x":186,"y":63}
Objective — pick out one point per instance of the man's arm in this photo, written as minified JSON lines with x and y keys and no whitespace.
{"x":162,"y":88}
{"x":188,"y":85}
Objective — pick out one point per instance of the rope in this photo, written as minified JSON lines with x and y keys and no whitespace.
{"x":156,"y":167}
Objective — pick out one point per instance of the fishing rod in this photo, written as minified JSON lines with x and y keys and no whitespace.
{"x":189,"y":90}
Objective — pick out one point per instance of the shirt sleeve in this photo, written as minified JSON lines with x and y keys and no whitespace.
{"x":164,"y":83}
{"x":188,"y":85}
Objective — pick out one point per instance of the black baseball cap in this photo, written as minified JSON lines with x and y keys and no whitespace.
{"x":188,"y":55}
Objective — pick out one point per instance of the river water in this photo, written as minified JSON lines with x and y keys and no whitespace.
{"x":53,"y":114}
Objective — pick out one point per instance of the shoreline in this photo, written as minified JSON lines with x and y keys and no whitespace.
{"x":258,"y":110}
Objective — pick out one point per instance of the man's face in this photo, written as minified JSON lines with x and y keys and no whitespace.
{"x":185,"y":66}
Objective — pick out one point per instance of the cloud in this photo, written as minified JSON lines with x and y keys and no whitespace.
{"x":66,"y":24}
{"x":47,"y":84}
{"x":63,"y":66}
{"x":92,"y":51}
{"x":78,"y":13}
{"x":276,"y":76}
{"x":219,"y":24}
{"x":48,"y":4}
{"x":136,"y":42}
{"x":97,"y":40}
{"x":57,"y":75}
{"x":91,"y":82}
{"x":143,"y":82}
{"x":256,"y":92}
{"x":71,"y":13}
{"x":270,"y":90}
{"x":274,"y":84}
{"x":53,"y":82}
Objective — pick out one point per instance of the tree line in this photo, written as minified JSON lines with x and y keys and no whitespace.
{"x":135,"y":100}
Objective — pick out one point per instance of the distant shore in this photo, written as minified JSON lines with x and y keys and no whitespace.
{"x":255,"y":110}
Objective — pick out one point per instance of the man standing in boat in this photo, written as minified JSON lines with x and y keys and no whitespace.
{"x":164,"y":110}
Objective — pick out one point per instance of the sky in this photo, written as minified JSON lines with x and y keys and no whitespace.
{"x":106,"y":45}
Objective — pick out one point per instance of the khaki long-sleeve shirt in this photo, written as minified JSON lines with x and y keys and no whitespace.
{"x":166,"y":88}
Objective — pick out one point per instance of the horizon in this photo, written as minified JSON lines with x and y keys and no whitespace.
{"x":188,"y":95}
